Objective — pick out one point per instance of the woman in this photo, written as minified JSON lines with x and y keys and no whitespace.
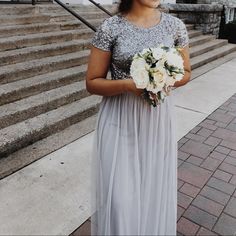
{"x":135,"y":149}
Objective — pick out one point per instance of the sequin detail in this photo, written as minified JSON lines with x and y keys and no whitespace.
{"x":124,"y":39}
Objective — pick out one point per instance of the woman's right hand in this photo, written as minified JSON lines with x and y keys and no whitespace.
{"x":131,"y":87}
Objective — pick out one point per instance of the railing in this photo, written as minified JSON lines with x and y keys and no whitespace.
{"x":101,"y":7}
{"x":76,"y":15}
{"x":80,"y":17}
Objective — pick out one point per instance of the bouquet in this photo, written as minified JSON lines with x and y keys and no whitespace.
{"x":156,"y":70}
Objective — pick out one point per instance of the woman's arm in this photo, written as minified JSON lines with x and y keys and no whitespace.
{"x":187,"y":67}
{"x":96,"y":82}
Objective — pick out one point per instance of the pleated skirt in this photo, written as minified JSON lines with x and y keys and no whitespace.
{"x":134,"y":167}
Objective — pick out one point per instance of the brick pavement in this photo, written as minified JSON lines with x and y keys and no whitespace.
{"x":206,"y":176}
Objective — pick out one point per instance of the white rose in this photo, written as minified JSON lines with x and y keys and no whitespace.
{"x":170,"y":81}
{"x":145,"y":50}
{"x":173,"y":59}
{"x":139,"y":73}
{"x":158,"y":53}
{"x":179,"y":77}
{"x":159,"y":81}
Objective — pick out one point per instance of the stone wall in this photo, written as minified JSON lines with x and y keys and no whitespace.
{"x":230,"y":3}
{"x":205,"y":17}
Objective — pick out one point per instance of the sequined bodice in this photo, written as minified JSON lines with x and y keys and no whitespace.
{"x":124,"y":39}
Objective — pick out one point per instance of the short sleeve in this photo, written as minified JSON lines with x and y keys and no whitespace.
{"x":181,"y":37}
{"x":102,"y":38}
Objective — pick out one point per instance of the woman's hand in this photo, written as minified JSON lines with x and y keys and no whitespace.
{"x":131,"y":87}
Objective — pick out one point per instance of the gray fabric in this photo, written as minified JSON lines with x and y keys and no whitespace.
{"x":134,"y":160}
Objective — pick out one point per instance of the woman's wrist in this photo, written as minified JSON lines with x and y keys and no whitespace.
{"x":126,"y":83}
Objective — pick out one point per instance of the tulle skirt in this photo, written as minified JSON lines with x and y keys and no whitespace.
{"x":134,"y":167}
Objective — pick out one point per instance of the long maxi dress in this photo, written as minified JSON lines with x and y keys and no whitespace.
{"x":134,"y":160}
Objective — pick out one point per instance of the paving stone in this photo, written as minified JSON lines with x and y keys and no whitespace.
{"x":195,"y":129}
{"x":180,"y":211}
{"x":233,"y":180}
{"x":184,"y":200}
{"x":189,"y":190}
{"x":231,"y":207}
{"x":205,"y":132}
{"x":209,"y":121}
{"x":180,"y":145}
{"x":227,"y":108}
{"x":208,"y":205}
{"x":218,"y":155}
{"x":187,"y":227}
{"x":195,"y":137}
{"x":231,"y":127}
{"x":84,"y":229}
{"x":219,"y":174}
{"x":196,"y":149}
{"x":193,"y":174}
{"x":228,"y":168}
{"x":208,"y":126}
{"x":182,"y":155}
{"x":228,"y":144}
{"x":180,"y":183}
{"x":232,"y":106}
{"x":226,"y":225}
{"x":215,"y":195}
{"x":224,"y":118}
{"x":220,"y":124}
{"x":230,"y":160}
{"x":210,"y":163}
{"x":232,"y":153}
{"x":212,"y":141}
{"x":222,"y":150}
{"x":195,"y":160}
{"x":183,"y":140}
{"x":205,"y":232}
{"x":226,"y":135}
{"x":221,"y":111}
{"x":221,"y":185}
{"x":180,"y":162}
{"x":200,"y":217}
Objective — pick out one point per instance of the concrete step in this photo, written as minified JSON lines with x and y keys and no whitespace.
{"x":14,"y":91}
{"x":194,"y":33}
{"x":38,"y":52}
{"x":17,"y":42}
{"x":62,"y":16}
{"x":17,"y":136}
{"x":212,"y":55}
{"x":10,"y":73}
{"x":17,"y":30}
{"x":206,"y":47}
{"x":41,"y":103}
{"x":23,"y":19}
{"x":35,"y":151}
{"x":16,"y":9}
{"x":189,"y":27}
{"x":55,"y":8}
{"x":200,"y":40}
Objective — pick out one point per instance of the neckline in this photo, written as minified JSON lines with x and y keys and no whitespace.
{"x":143,"y":28}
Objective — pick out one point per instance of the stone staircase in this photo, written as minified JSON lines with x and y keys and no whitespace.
{"x":44,"y":104}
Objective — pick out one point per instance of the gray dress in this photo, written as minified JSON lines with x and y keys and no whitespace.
{"x":134,"y":162}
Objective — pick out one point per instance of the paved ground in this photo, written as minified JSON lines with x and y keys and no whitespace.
{"x":206,"y":176}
